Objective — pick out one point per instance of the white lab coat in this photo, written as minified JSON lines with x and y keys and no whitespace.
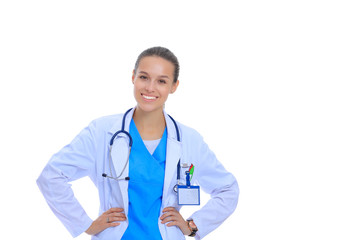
{"x":87,"y":155}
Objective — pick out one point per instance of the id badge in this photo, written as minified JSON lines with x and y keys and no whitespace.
{"x":188,"y":195}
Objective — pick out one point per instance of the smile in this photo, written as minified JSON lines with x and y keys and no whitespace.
{"x":148,"y":97}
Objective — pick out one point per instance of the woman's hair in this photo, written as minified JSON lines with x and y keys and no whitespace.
{"x":163,"y":53}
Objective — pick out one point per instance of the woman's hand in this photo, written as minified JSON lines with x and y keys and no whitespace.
{"x":174,"y":218}
{"x":110,"y":218}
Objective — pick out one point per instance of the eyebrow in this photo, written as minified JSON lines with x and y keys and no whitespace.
{"x":144,"y":72}
{"x":161,"y":76}
{"x":164,"y":76}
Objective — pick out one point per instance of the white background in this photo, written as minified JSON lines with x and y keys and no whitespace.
{"x":273,"y":86}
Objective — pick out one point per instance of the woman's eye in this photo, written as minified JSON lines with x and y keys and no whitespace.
{"x":162,"y":81}
{"x":143,"y":77}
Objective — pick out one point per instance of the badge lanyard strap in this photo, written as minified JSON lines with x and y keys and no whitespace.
{"x":178,"y":139}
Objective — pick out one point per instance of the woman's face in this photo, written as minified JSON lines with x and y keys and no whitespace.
{"x":153,"y":82}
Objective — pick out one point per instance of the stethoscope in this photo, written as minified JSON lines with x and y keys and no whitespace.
{"x":119,"y":178}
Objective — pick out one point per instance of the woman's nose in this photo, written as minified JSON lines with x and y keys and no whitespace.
{"x":150,"y":86}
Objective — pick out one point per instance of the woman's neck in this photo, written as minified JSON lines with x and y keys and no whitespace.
{"x":151,"y":125}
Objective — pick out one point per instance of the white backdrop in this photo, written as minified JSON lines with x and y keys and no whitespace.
{"x":273,"y":86}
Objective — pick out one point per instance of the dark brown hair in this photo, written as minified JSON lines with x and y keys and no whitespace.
{"x":163,"y":53}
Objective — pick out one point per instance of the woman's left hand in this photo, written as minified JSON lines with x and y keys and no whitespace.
{"x":174,"y":218}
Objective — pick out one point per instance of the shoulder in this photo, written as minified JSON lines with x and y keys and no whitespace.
{"x":106,"y":123}
{"x":189,"y":134}
{"x":110,"y":119}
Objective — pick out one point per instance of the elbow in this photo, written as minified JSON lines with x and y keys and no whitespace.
{"x":236,"y":190}
{"x":236,"y":194}
{"x":228,"y":196}
{"x":233,"y":198}
{"x":40,"y":181}
{"x":50,"y":180}
{"x":43,"y":182}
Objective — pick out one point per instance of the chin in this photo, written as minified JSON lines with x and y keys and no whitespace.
{"x":145,"y":107}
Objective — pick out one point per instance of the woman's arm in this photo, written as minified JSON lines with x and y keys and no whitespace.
{"x":215,"y":180}
{"x":74,"y":161}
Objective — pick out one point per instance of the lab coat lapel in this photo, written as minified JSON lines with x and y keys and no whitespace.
{"x":173,"y":154}
{"x":119,"y":155}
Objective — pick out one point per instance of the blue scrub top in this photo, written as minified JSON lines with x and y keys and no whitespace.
{"x":145,"y":190}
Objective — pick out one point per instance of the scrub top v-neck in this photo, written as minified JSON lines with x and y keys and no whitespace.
{"x":146,"y":172}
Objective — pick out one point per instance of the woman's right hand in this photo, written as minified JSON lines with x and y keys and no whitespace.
{"x":110,"y":218}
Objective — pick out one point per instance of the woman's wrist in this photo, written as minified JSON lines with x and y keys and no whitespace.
{"x":192,"y":227}
{"x":186,"y":230}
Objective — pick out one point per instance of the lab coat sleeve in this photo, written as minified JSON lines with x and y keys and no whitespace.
{"x":74,"y":161}
{"x":220,"y":184}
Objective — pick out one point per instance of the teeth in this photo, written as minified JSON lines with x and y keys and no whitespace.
{"x":148,"y":97}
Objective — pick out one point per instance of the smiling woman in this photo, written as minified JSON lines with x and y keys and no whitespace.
{"x":158,"y":156}
{"x":153,"y":82}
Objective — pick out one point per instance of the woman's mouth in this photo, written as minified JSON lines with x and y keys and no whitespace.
{"x":148,"y":97}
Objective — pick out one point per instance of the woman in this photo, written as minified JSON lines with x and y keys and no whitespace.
{"x":138,"y":198}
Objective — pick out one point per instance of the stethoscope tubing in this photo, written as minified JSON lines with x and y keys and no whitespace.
{"x":118,"y":178}
{"x":178,"y":138}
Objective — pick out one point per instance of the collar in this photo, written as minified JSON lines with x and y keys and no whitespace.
{"x":169,"y":124}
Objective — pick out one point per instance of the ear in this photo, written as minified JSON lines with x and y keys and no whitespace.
{"x":133,"y":76}
{"x":174,"y":86}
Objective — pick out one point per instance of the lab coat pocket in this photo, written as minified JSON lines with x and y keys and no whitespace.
{"x":183,"y":175}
